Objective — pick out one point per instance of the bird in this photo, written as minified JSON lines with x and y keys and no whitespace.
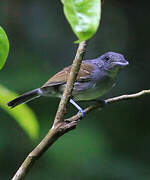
{"x":95,"y":78}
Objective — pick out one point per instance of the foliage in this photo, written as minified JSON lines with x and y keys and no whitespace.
{"x":83,"y":16}
{"x":4,"y":47}
{"x":22,"y":114}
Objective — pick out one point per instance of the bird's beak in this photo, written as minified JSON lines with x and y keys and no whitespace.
{"x":122,"y":63}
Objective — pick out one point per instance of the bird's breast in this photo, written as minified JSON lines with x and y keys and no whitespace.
{"x":93,"y":89}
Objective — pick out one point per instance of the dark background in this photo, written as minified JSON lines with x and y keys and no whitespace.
{"x":113,"y":144}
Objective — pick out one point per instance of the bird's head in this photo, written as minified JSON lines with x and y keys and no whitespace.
{"x":113,"y":62}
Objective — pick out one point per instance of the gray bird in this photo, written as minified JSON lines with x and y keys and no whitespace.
{"x":95,"y":78}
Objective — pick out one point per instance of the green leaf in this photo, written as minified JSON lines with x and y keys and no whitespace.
{"x":4,"y":47}
{"x":83,"y":16}
{"x":22,"y":114}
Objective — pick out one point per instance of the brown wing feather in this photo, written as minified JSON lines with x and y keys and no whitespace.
{"x":62,"y":76}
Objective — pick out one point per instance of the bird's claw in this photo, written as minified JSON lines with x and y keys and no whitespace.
{"x":82,"y":114}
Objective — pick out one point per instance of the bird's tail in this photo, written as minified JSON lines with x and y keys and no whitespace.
{"x":25,"y":98}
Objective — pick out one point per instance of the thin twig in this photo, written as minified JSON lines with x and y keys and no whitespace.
{"x":60,"y":126}
{"x":109,"y":101}
{"x":127,"y":97}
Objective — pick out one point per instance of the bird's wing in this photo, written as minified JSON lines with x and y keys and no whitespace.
{"x":61,"y":77}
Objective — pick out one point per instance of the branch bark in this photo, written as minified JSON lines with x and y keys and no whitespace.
{"x":97,"y":105}
{"x":60,"y":126}
{"x":69,"y":86}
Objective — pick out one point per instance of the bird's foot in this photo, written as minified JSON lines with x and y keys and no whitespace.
{"x":78,"y":107}
{"x":82,"y":113}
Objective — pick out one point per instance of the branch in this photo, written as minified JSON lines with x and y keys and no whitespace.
{"x":109,"y":101}
{"x":70,"y":82}
{"x":60,"y":126}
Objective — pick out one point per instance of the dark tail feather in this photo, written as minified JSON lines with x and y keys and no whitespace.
{"x":24,"y":98}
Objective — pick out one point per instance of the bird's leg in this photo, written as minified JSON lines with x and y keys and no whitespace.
{"x":78,"y":107}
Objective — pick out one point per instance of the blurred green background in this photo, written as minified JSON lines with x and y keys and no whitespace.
{"x":109,"y":145}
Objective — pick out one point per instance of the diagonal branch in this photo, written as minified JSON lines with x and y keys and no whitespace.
{"x":59,"y":127}
{"x":70,"y":82}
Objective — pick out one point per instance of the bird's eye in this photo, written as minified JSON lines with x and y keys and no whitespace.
{"x":107,"y":58}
